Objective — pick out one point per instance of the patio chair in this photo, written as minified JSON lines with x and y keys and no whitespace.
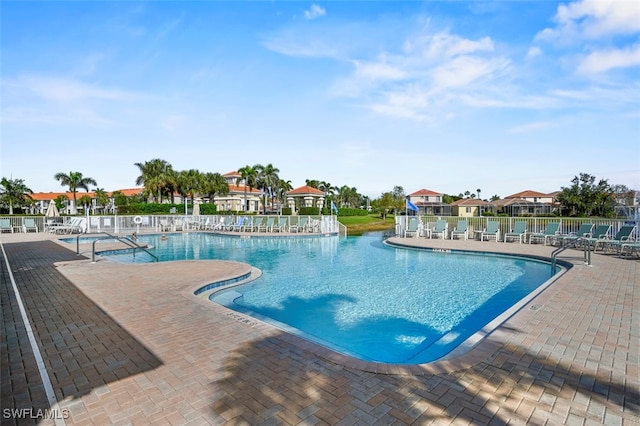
{"x":301,"y":226}
{"x":75,"y":225}
{"x":461,"y":230}
{"x":239,"y":225}
{"x":413,"y":227}
{"x":572,"y":237}
{"x":29,"y":224}
{"x":267,"y":225}
{"x":491,"y":231}
{"x":519,"y":231}
{"x":600,"y":233}
{"x":440,"y":230}
{"x":623,"y":236}
{"x":628,"y":249}
{"x":551,"y":233}
{"x":281,"y":225}
{"x":5,"y":226}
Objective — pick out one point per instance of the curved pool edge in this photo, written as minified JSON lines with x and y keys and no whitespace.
{"x":205,"y":291}
{"x":479,"y":347}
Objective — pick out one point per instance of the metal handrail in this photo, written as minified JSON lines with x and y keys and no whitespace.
{"x":574,"y":243}
{"x":126,"y":240}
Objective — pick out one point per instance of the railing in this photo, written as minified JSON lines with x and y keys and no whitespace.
{"x":586,"y":245}
{"x":534,"y":224}
{"x":135,"y":246}
{"x":147,"y":223}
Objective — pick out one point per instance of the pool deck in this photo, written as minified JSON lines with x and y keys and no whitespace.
{"x":131,"y":344}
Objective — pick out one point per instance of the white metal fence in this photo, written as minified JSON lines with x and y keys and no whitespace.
{"x":127,"y":224}
{"x":534,"y":224}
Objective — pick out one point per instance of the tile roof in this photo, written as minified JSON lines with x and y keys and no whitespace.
{"x":424,"y":192}
{"x":305,"y":190}
{"x":470,"y":202}
{"x":528,"y":193}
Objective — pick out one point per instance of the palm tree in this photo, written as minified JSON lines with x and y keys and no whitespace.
{"x":328,"y":189}
{"x":267,"y":180}
{"x":478,"y":191}
{"x":249,"y":178}
{"x":212,"y":184}
{"x":14,"y":192}
{"x":313,"y":183}
{"x":282,"y":188}
{"x":75,"y":181}
{"x":156,"y":176}
{"x":102,"y":198}
{"x":190,"y":181}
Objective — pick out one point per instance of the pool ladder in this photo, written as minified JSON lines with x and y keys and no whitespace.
{"x":126,"y":240}
{"x":573,"y":244}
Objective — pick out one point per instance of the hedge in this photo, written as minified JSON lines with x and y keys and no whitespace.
{"x":155,"y":208}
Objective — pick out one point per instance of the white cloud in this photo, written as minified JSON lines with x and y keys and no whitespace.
{"x":593,"y":19}
{"x":66,"y":90}
{"x":55,"y":100}
{"x":604,"y":60}
{"x":315,"y":12}
{"x":378,"y":71}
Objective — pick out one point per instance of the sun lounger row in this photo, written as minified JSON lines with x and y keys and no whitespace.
{"x":599,"y":238}
{"x":264,"y":224}
{"x":28,"y":225}
{"x":75,"y":225}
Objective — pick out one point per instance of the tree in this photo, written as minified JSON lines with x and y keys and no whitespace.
{"x":212,"y":184}
{"x":313,"y":183}
{"x":587,"y":198}
{"x":399,"y":198}
{"x":75,"y":181}
{"x":384,"y":204}
{"x":249,"y":178}
{"x":266,"y":180}
{"x":85,"y":201}
{"x":281,"y":190}
{"x":119,"y":199}
{"x":60,"y":201}
{"x":156,"y":176}
{"x":188,"y":183}
{"x":102,"y":198}
{"x":14,"y":192}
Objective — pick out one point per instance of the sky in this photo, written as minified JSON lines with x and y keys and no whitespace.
{"x":451,"y":96}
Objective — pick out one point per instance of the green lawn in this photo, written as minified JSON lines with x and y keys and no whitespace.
{"x":357,"y":225}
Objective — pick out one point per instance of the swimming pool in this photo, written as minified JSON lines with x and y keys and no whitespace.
{"x":361,"y":298}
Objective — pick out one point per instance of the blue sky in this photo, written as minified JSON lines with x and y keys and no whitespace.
{"x":446,"y":95}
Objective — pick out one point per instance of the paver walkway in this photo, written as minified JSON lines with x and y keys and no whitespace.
{"x":131,"y":344}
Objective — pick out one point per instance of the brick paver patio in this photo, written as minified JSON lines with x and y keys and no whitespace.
{"x":131,"y":344}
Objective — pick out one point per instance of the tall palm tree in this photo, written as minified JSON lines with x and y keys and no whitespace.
{"x":14,"y":192}
{"x":75,"y":181}
{"x":329,"y":191}
{"x":282,"y":188}
{"x":212,"y":184}
{"x":249,"y":178}
{"x":155,"y":175}
{"x":267,"y":180}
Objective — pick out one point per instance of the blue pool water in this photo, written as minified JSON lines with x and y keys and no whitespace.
{"x":360,"y":297}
